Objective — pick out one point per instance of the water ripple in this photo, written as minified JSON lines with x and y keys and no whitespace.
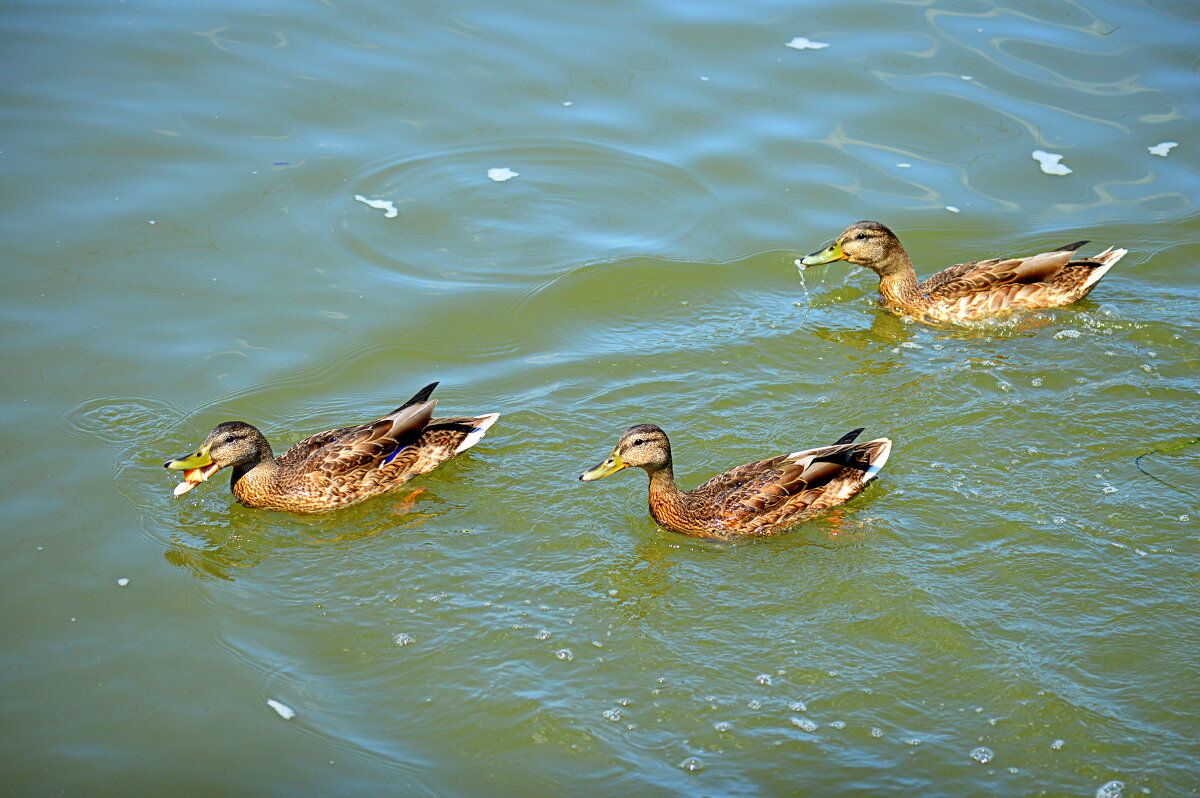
{"x":570,"y":194}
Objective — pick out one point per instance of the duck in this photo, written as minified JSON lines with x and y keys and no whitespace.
{"x":969,"y":291}
{"x":336,"y":468}
{"x":753,"y":500}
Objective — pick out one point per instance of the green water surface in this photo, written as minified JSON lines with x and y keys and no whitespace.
{"x":1010,"y":609}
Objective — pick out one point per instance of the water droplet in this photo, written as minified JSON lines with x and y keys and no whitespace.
{"x":402,"y":639}
{"x":838,"y":724}
{"x":1111,"y":790}
{"x":564,"y":654}
{"x":982,"y":755}
{"x":723,"y":726}
{"x":613,"y":714}
{"x":914,"y":741}
{"x":1185,"y":518}
{"x":691,"y":764}
{"x":764,"y":678}
{"x":623,"y":702}
{"x":754,"y":703}
{"x":1108,"y":489}
{"x":1057,"y":745}
{"x":543,"y":635}
{"x":876,"y":732}
{"x":797,"y":706}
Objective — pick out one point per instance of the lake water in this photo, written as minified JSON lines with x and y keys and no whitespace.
{"x":1010,"y":609}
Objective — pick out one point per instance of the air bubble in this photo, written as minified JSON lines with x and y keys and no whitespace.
{"x":691,"y":764}
{"x":805,"y":724}
{"x":982,"y":755}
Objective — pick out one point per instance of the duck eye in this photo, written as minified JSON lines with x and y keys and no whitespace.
{"x":638,"y":442}
{"x":861,"y":236}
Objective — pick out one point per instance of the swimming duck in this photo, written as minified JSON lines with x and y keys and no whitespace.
{"x":968,"y":291}
{"x":755,"y":499}
{"x":335,"y":468}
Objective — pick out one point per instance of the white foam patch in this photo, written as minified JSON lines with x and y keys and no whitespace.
{"x":502,"y":173}
{"x":282,"y":709}
{"x":122,"y":582}
{"x":387,"y":206}
{"x":1051,"y":162}
{"x":801,"y":43}
{"x":952,"y":209}
{"x":1163,"y":149}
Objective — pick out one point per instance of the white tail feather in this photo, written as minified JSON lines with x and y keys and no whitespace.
{"x":879,"y":460}
{"x":481,"y":426}
{"x":1107,"y":259}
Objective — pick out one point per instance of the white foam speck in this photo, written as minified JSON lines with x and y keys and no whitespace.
{"x":1067,"y":334}
{"x":723,"y":726}
{"x":1111,"y":790}
{"x":952,"y":209}
{"x":966,"y":77}
{"x":565,"y":654}
{"x":122,"y":582}
{"x":801,"y":43}
{"x":691,"y":764}
{"x":804,"y":723}
{"x":387,"y":206}
{"x":568,"y":104}
{"x":281,"y":709}
{"x":1057,"y":745}
{"x":703,"y":78}
{"x":911,"y":345}
{"x":402,"y":639}
{"x":1163,"y":149}
{"x":877,"y":732}
{"x":1050,"y":162}
{"x":502,"y":173}
{"x":904,"y":166}
{"x":764,"y":678}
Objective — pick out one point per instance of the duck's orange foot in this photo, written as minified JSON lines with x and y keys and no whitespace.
{"x":402,"y":507}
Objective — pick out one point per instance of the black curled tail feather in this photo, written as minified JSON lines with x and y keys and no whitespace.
{"x":849,"y":437}
{"x":420,"y":396}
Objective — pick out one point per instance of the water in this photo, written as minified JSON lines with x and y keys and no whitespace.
{"x":183,"y":246}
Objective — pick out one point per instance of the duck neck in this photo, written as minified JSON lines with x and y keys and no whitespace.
{"x":898,"y":281}
{"x":254,"y":476}
{"x":666,"y":500}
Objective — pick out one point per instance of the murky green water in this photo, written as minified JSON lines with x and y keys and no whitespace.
{"x":1010,"y":609}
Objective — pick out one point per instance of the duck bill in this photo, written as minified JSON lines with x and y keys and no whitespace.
{"x":606,"y":469}
{"x":196,"y":467}
{"x":827,"y":255}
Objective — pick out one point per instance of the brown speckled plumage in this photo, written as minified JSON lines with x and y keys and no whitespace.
{"x":968,"y":291}
{"x":339,"y":467}
{"x":755,"y":499}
